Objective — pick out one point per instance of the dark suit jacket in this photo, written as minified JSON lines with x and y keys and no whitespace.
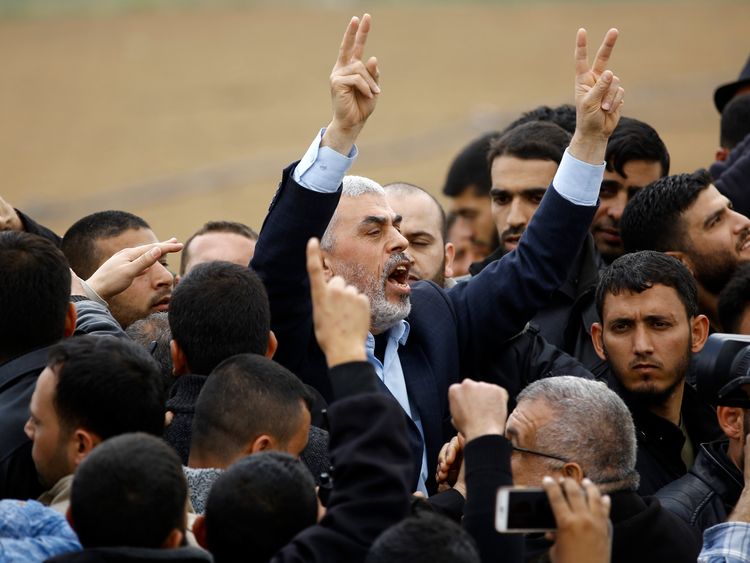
{"x":453,"y":333}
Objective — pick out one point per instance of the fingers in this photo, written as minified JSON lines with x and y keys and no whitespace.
{"x":556,"y":498}
{"x":605,"y":51}
{"x":347,"y":43}
{"x":362,"y":82}
{"x":581,"y":54}
{"x":315,"y":269}
{"x":360,"y":40}
{"x":610,"y":101}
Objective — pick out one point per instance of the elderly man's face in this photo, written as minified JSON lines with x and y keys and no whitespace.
{"x":369,"y":252}
{"x":524,"y":424}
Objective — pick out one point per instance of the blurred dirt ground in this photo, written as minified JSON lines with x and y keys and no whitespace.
{"x":182,"y":116}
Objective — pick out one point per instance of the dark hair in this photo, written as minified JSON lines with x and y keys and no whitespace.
{"x":108,"y":386}
{"x":735,"y":121}
{"x":652,"y":218}
{"x":257,"y":506}
{"x":469,"y":169}
{"x":153,"y":334}
{"x":34,"y":293}
{"x":563,"y":116}
{"x":216,"y":227}
{"x":734,"y":298}
{"x":640,"y":271}
{"x":534,"y":140}
{"x":247,"y":395}
{"x":635,"y":140}
{"x":411,"y":189}
{"x":424,"y":538}
{"x":129,"y":491}
{"x":79,"y":241}
{"x":219,"y":310}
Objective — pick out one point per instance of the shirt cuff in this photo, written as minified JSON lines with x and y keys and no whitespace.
{"x":577,"y":181}
{"x":322,"y":169}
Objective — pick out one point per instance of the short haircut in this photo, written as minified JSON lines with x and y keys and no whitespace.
{"x":652,"y":219}
{"x":351,"y":186}
{"x":108,"y":386}
{"x":563,"y":115}
{"x":424,"y":538}
{"x":635,"y":140}
{"x":535,"y":140}
{"x":154,"y":335}
{"x":470,"y":168}
{"x":734,"y":299}
{"x":218,"y":310}
{"x":79,"y":241}
{"x":129,"y":491}
{"x":247,"y":395}
{"x":410,"y":189}
{"x":34,"y":293}
{"x":735,"y":121}
{"x":591,"y":425}
{"x":640,"y":271}
{"x":216,"y":227}
{"x":257,"y":506}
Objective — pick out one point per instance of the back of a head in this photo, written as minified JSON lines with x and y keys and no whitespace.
{"x":639,"y":271}
{"x":78,"y":243}
{"x":129,"y":491}
{"x":257,"y":506}
{"x":534,"y":140}
{"x":652,"y":218}
{"x":424,"y":538}
{"x":107,"y":385}
{"x":563,"y":115}
{"x":247,"y":395}
{"x":734,"y":299}
{"x":470,"y":168}
{"x":635,"y":140}
{"x":215,"y":227}
{"x":217,"y":311}
{"x":34,"y":293}
{"x":591,"y":426}
{"x":735,"y":121}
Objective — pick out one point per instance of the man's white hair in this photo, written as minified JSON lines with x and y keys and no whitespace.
{"x":353,"y":186}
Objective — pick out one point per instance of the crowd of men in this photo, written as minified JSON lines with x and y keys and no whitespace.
{"x":356,"y":381}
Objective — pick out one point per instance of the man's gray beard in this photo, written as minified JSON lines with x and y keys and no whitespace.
{"x":383,"y":314}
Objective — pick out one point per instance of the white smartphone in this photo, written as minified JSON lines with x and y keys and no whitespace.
{"x":523,"y":510}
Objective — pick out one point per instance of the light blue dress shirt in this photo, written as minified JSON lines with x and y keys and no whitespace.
{"x":728,"y":542}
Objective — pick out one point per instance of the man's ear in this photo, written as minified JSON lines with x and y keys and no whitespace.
{"x":199,"y":531}
{"x":730,"y":420}
{"x":450,"y":254}
{"x":262,"y":443}
{"x":682,"y":257}
{"x":597,"y":337}
{"x":574,"y":471}
{"x":83,"y":442}
{"x":699,"y":328}
{"x":179,"y":362}
{"x":327,"y":271}
{"x":70,"y":320}
{"x":722,"y":154}
{"x":272,"y":345}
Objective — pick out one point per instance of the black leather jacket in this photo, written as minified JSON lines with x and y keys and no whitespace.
{"x":707,"y":494}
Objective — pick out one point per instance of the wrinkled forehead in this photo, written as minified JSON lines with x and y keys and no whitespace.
{"x":351,"y":211}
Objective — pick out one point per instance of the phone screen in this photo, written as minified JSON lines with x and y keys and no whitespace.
{"x":524,"y":510}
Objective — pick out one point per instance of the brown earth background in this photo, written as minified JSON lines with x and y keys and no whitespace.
{"x":183,"y":113}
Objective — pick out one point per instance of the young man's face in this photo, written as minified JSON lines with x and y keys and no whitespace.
{"x":52,"y":443}
{"x":474,"y":214}
{"x":614,"y":195}
{"x":518,"y":186}
{"x":717,"y":239}
{"x":649,"y":340}
{"x":150,"y":291}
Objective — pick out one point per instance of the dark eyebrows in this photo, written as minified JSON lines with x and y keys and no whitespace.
{"x":715,"y":215}
{"x":380,"y":220}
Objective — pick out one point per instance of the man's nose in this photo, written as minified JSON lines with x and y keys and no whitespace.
{"x":516,"y":215}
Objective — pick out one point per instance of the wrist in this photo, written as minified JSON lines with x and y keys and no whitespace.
{"x":588,"y":148}
{"x":484,"y":430}
{"x":340,"y":138}
{"x":345,"y":355}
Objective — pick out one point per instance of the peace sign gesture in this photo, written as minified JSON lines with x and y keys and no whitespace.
{"x":354,"y":87}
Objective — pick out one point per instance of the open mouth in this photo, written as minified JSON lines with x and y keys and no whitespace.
{"x":399,"y":277}
{"x":162,"y":305}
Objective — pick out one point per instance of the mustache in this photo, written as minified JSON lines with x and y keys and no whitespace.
{"x":512,"y":231}
{"x":395,"y":260}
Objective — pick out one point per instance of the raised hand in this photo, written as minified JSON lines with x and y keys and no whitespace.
{"x":9,"y":219}
{"x":478,"y":408}
{"x":341,"y":314}
{"x":598,"y":97}
{"x":354,"y":87}
{"x":583,"y":533}
{"x":117,"y":273}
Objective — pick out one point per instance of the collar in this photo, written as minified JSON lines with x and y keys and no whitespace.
{"x":398,"y":332}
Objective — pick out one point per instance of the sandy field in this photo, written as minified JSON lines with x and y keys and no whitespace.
{"x":182,"y":116}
